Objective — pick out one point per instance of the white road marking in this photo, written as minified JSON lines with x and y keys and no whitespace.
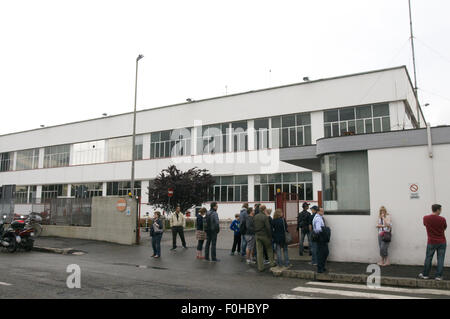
{"x":384,"y":288}
{"x":288,"y":296}
{"x":355,"y":294}
{"x":4,"y":284}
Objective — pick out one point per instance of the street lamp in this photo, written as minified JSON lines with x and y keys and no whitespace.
{"x":133,"y":155}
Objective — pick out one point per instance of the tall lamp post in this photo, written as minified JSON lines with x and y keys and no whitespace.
{"x":140,"y":56}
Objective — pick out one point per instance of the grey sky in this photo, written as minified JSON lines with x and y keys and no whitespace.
{"x":63,"y":61}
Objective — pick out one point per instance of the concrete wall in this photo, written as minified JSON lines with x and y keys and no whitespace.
{"x":107,"y":224}
{"x":390,"y":173}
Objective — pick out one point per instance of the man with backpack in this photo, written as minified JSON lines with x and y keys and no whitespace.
{"x":321,"y":234}
{"x":303,"y":221}
{"x":212,"y":229}
{"x":242,"y":218}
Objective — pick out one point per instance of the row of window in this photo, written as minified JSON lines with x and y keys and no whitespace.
{"x":225,"y":189}
{"x":274,"y":132}
{"x":357,"y":120}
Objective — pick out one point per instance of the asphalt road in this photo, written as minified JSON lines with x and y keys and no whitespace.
{"x":117,"y":271}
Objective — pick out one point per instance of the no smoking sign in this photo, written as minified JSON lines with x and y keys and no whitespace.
{"x":414,"y":191}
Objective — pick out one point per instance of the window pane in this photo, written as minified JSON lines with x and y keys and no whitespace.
{"x":335,"y":129}
{"x":301,"y":191}
{"x":377,"y":125}
{"x":288,"y":120}
{"x":257,"y":193}
{"x":347,"y":114}
{"x":360,"y":127}
{"x":226,"y":180}
{"x":307,"y":133}
{"x":330,"y":116}
{"x":386,"y":124}
{"x":274,"y":178}
{"x":343,"y":126}
{"x":285,"y":137}
{"x":381,"y":110}
{"x":327,"y":128}
{"x":237,"y":193}
{"x":244,"y":193}
{"x":292,"y":137}
{"x":261,"y":124}
{"x":231,"y":194}
{"x":303,"y":119}
{"x":223,"y":193}
{"x":289,"y":177}
{"x":351,"y":126}
{"x":264,"y":193}
{"x":305,"y":176}
{"x":363,"y":112}
{"x":276,"y":122}
{"x":309,"y":191}
{"x":241,"y":179}
{"x":368,"y":126}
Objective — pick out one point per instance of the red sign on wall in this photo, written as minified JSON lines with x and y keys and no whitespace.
{"x":170,"y":192}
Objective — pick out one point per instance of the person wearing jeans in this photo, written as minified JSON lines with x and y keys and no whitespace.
{"x":242,"y":218}
{"x":213,"y":228}
{"x":279,"y":228}
{"x":436,"y":226}
{"x":314,"y":211}
{"x":156,"y":233}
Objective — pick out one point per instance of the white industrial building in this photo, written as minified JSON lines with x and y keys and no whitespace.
{"x":237,"y":137}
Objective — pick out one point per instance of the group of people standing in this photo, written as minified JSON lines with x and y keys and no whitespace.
{"x":312,"y":227}
{"x":257,"y":236}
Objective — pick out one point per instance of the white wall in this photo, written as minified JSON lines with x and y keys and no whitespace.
{"x":383,"y":86}
{"x":390,"y":173}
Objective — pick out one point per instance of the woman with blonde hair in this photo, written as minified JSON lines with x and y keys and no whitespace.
{"x":384,"y":227}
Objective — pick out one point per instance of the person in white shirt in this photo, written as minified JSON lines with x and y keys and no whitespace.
{"x":178,"y":223}
{"x":322,"y":246}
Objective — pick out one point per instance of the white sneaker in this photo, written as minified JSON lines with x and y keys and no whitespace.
{"x":421,"y":276}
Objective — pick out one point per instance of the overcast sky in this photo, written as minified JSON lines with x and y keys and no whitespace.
{"x":64,"y":61}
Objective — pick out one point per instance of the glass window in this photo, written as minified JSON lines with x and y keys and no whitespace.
{"x":327,"y":128}
{"x":122,"y":188}
{"x":360,"y":127}
{"x":377,"y":125}
{"x":303,"y":119}
{"x":56,"y":156}
{"x":380,"y":110}
{"x":86,"y":190}
{"x":88,"y":153}
{"x":27,"y":159}
{"x":172,"y":143}
{"x":347,"y":114}
{"x":363,"y":112}
{"x":53,"y":191}
{"x":230,"y":188}
{"x":345,"y":182}
{"x":386,"y":123}
{"x":331,"y":116}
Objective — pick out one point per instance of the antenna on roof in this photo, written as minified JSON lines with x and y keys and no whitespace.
{"x":306,"y":79}
{"x":414,"y":60}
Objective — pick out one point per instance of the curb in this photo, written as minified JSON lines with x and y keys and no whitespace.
{"x":362,"y":279}
{"x":61,"y":251}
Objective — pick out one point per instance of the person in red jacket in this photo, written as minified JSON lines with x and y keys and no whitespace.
{"x":436,"y":226}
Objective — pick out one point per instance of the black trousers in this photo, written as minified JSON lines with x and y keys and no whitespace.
{"x":211,"y":240}
{"x":236,"y":243}
{"x":178,"y":230}
{"x":322,"y":255}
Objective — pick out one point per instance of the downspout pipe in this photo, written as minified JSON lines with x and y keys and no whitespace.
{"x":430,"y":155}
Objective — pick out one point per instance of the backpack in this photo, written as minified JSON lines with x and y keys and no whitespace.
{"x":207,"y":222}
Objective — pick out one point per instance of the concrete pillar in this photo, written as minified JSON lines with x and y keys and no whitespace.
{"x":146,"y":146}
{"x":38,"y":193}
{"x":41,"y":157}
{"x":197,"y":124}
{"x":251,"y":188}
{"x":317,"y":184}
{"x":14,"y":161}
{"x":251,"y":135}
{"x":104,"y":188}
{"x":144,"y":191}
{"x":69,"y":190}
{"x":317,"y":130}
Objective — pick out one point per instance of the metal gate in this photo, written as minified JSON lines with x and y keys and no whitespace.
{"x":68,"y":211}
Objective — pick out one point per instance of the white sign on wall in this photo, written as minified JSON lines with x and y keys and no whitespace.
{"x":414,"y":191}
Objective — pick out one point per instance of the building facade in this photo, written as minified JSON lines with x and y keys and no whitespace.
{"x":237,"y":137}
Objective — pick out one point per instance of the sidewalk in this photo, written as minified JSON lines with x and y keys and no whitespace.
{"x":350,"y":272}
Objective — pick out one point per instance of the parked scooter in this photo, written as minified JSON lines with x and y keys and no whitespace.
{"x":7,"y":237}
{"x":24,"y":234}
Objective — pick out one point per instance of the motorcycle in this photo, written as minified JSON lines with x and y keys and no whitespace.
{"x":7,"y":237}
{"x":24,"y":234}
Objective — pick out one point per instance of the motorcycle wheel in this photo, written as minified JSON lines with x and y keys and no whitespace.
{"x":29,"y":245}
{"x":12,"y":244}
